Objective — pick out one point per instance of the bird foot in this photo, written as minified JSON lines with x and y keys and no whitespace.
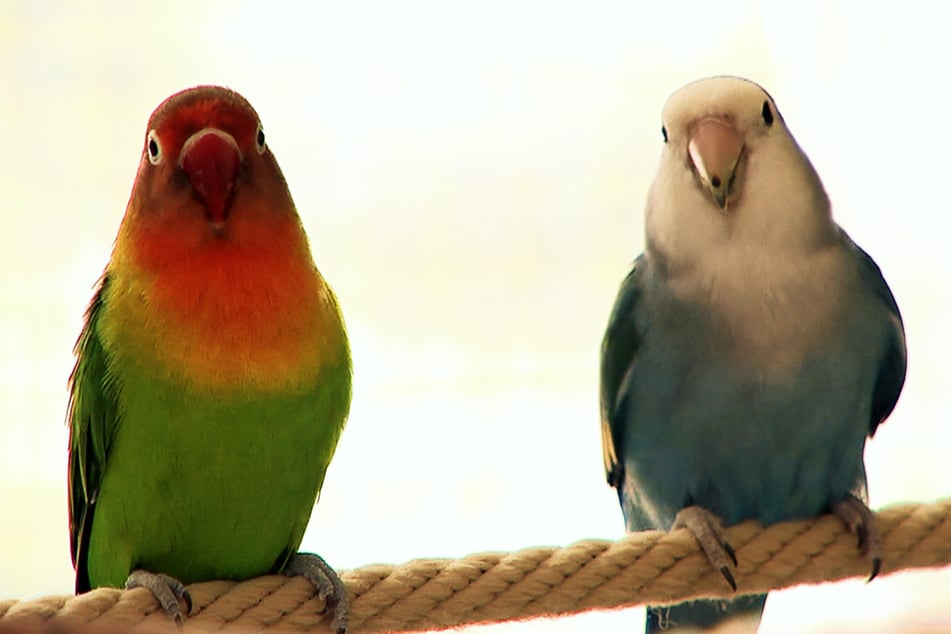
{"x":707,"y":528}
{"x":861,"y":522}
{"x":170,"y":592}
{"x":330,"y":588}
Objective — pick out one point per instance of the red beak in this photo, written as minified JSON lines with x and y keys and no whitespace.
{"x":211,"y":158}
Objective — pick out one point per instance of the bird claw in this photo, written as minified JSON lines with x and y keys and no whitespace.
{"x":861,"y":522}
{"x":729,"y":577}
{"x":707,"y":528}
{"x":732,"y":553}
{"x":168,"y":591}
{"x":330,"y":588}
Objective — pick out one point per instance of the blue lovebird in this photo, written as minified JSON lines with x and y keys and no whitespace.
{"x":752,"y":349}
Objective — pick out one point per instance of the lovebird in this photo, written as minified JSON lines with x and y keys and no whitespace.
{"x":752,"y":348}
{"x":213,"y":373}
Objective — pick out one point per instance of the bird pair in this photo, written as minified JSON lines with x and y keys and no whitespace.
{"x":751,"y":351}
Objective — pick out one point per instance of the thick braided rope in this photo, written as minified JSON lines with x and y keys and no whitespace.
{"x":650,"y":567}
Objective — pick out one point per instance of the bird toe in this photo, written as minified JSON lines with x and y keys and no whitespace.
{"x":708,"y":530}
{"x":330,"y":588}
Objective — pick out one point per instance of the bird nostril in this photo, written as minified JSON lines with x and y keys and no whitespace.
{"x":715,"y":181}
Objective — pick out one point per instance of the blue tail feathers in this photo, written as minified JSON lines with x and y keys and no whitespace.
{"x":705,"y":614}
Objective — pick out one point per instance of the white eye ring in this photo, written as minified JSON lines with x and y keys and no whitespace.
{"x":153,"y":148}
{"x":259,"y":142}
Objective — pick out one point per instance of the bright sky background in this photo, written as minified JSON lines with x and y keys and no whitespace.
{"x":472,"y":177}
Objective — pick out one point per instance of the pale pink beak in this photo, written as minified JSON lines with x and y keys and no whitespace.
{"x":715,"y":147}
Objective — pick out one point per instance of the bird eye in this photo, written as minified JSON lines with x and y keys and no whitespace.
{"x":767,"y":114}
{"x":663,"y":131}
{"x":154,"y":148}
{"x":259,"y":140}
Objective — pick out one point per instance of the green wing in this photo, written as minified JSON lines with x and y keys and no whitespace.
{"x":92,"y":420}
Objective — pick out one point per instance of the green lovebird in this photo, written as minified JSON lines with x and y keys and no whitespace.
{"x":213,"y":373}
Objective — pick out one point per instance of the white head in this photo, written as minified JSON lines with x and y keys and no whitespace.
{"x":731,"y":176}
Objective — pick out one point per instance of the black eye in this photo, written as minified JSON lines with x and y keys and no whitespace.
{"x":259,"y":140}
{"x":767,"y":114}
{"x":663,"y":131}
{"x":154,"y":148}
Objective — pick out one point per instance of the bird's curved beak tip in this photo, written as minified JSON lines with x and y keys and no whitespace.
{"x":720,"y":198}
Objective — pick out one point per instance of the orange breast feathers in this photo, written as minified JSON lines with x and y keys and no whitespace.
{"x":247,"y":310}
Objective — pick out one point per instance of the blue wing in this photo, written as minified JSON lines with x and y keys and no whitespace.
{"x":891,"y":371}
{"x":618,"y":351}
